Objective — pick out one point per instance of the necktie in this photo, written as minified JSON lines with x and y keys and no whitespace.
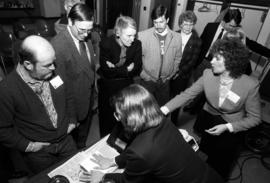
{"x":83,"y":50}
{"x":220,"y":34}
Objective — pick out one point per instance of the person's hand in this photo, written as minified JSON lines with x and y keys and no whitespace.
{"x":93,"y":176}
{"x":36,"y":146}
{"x":110,"y":65}
{"x":71,"y":126}
{"x":130,"y":67}
{"x":217,"y":130}
{"x":103,"y":162}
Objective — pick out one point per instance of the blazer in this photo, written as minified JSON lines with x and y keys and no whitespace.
{"x":190,"y":55}
{"x":208,"y":36}
{"x":110,"y":51}
{"x":152,"y":57}
{"x":160,"y":154}
{"x":80,"y":72}
{"x":24,"y":118}
{"x":243,"y":113}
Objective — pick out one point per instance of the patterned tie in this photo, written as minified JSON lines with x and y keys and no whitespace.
{"x":45,"y":96}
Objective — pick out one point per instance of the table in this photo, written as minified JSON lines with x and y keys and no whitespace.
{"x":71,"y":167}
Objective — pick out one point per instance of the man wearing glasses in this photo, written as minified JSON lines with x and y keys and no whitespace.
{"x":74,"y":53}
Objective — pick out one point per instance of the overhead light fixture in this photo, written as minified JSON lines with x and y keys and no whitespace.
{"x":204,"y":8}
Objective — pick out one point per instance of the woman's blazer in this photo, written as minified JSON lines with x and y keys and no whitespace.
{"x":241,"y":107}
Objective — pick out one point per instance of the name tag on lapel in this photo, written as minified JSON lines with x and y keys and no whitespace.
{"x":56,"y":82}
{"x":233,"y":97}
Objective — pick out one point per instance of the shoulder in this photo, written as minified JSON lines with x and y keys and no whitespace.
{"x":60,"y":37}
{"x":108,"y":42}
{"x":146,"y":32}
{"x":249,"y":81}
{"x":8,"y":83}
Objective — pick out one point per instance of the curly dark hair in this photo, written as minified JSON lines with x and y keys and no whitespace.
{"x":235,"y":53}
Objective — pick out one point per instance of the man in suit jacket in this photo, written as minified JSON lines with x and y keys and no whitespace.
{"x":62,"y":23}
{"x":232,"y":103}
{"x":191,"y":45}
{"x":75,"y":54}
{"x":231,"y":20}
{"x":37,"y":112}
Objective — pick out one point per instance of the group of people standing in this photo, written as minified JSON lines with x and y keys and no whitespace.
{"x":47,"y":102}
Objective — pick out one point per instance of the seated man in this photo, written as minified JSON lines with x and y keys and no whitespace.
{"x":36,"y":107}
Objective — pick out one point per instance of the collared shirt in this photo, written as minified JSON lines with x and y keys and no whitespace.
{"x":76,"y":41}
{"x":224,"y":88}
{"x":42,"y":90}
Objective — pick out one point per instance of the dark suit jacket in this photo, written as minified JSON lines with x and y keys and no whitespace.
{"x":110,"y":51}
{"x":24,"y":118}
{"x":242,"y":114}
{"x":208,"y":36}
{"x":190,"y":55}
{"x":160,"y":154}
{"x":79,"y":70}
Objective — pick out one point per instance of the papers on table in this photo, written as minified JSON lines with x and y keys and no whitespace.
{"x":71,"y":168}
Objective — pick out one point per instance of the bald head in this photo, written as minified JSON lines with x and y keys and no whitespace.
{"x":37,"y":56}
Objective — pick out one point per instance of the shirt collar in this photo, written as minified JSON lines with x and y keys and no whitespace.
{"x":25,"y":75}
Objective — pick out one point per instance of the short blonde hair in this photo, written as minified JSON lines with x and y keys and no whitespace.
{"x":138,"y":108}
{"x":122,"y":22}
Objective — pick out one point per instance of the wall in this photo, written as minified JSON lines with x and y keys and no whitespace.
{"x":179,"y":8}
{"x":145,"y":14}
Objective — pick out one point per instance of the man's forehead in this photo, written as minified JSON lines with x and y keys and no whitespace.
{"x":160,"y":19}
{"x":84,"y":24}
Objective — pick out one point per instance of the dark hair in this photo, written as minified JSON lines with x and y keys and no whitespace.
{"x":233,"y":14}
{"x":188,"y":16}
{"x":235,"y":53}
{"x":138,"y":108}
{"x":81,"y":12}
{"x":159,"y":11}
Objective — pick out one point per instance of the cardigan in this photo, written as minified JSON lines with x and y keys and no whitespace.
{"x":24,"y":118}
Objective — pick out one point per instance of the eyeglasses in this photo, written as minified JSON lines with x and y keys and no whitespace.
{"x":82,"y":31}
{"x":187,"y":25}
{"x":117,"y":116}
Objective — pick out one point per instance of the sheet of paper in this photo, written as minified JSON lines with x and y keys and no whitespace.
{"x":72,"y":167}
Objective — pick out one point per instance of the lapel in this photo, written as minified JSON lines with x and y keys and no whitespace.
{"x":81,"y":64}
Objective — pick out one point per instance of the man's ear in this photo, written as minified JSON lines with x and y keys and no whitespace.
{"x":28,"y":65}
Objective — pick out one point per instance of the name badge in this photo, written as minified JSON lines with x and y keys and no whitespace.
{"x":56,"y":82}
{"x":233,"y":97}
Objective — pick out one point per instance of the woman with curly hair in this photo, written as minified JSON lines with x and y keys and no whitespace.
{"x":232,"y":103}
{"x":158,"y":151}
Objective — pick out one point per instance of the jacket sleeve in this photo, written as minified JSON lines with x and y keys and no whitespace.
{"x":107,"y":55}
{"x":137,"y":60}
{"x":135,"y":170}
{"x":252,"y":109}
{"x":177,"y":57}
{"x":9,"y":135}
{"x":185,"y":96}
{"x":258,"y":48}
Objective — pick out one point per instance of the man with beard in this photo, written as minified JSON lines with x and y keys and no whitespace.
{"x":37,"y":112}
